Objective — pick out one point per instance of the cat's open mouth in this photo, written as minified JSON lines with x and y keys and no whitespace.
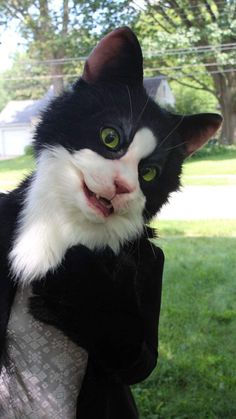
{"x":100,"y":203}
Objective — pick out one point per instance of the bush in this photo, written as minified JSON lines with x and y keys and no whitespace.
{"x":213,"y":149}
{"x":28,"y":150}
{"x":190,"y":100}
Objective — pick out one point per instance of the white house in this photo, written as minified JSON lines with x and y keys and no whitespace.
{"x":16,"y":127}
{"x":19,"y":117}
{"x":158,"y":88}
{"x":17,"y":122}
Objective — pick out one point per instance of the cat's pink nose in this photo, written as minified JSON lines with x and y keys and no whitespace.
{"x":121,"y":187}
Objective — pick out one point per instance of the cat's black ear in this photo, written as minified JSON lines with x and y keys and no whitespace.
{"x":116,"y":58}
{"x":196,"y":130}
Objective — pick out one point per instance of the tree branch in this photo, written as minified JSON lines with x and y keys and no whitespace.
{"x":210,"y":11}
{"x":193,"y":86}
{"x":160,"y":9}
{"x":181,"y":13}
{"x":154,"y":17}
{"x":65,"y":19}
{"x":204,"y":85}
{"x":14,"y":12}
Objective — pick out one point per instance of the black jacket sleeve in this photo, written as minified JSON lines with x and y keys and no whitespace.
{"x":107,"y":396}
{"x":111,"y":308}
{"x":150,"y":262}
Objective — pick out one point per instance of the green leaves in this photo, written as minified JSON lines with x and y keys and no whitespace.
{"x":194,"y":44}
{"x":57,"y":36}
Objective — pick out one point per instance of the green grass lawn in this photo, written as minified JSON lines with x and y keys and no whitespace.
{"x":210,"y":170}
{"x":195,"y":228}
{"x":196,"y":373}
{"x":12,"y":171}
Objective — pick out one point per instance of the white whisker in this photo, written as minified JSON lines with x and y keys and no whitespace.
{"x":176,"y":146}
{"x":130,"y":104}
{"x":142,"y":111}
{"x":172,"y":131}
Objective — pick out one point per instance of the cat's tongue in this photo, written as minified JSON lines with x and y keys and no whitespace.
{"x":101,"y":203}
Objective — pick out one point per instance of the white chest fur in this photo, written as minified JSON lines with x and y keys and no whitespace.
{"x":46,"y":368}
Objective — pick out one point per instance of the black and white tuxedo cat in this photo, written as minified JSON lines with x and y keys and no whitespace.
{"x":80,"y":283}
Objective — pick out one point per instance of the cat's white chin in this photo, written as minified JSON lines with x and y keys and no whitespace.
{"x":57,"y":213}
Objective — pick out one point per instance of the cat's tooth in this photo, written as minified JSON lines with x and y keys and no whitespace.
{"x":97,"y":196}
{"x":108,"y":205}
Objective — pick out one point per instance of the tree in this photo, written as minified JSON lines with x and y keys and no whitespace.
{"x":23,"y":80}
{"x":56,"y":31}
{"x":195,"y":43}
{"x":190,"y":100}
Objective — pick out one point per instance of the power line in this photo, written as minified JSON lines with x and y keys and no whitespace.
{"x":199,"y":73}
{"x":56,"y":76}
{"x":178,"y":75}
{"x":179,"y":67}
{"x":158,"y":53}
{"x":193,"y":50}
{"x":56,"y":60}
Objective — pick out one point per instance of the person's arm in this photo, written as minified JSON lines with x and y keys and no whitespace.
{"x":112,"y":313}
{"x":149,"y":281}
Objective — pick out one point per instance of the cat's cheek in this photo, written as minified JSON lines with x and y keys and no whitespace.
{"x":132,"y":203}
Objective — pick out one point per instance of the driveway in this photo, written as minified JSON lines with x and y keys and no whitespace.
{"x":201,"y":202}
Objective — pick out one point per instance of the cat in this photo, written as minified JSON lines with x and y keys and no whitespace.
{"x":80,"y":281}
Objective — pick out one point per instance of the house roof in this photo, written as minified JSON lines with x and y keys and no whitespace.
{"x":23,"y":111}
{"x":152,"y":84}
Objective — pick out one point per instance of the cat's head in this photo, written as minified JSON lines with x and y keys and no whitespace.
{"x":107,"y":155}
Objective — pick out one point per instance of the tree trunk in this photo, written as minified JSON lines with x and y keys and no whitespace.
{"x":57,"y":78}
{"x":228,"y":133}
{"x":225,"y":85}
{"x":44,"y":37}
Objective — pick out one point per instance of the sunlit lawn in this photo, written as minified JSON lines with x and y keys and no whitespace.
{"x":217,"y":170}
{"x":12,"y":171}
{"x":196,"y":372}
{"x":204,"y":228}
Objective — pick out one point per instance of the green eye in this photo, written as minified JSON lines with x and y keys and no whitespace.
{"x":110,"y":137}
{"x":148,"y":173}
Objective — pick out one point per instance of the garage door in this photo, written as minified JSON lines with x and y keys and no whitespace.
{"x":15,"y":140}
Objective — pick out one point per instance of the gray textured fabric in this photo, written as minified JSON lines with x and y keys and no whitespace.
{"x":45,"y":371}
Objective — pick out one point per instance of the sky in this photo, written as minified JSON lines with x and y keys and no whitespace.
{"x":9,"y":44}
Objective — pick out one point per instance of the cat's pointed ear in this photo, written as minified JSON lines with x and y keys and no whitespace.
{"x":116,"y":58}
{"x":196,"y":130}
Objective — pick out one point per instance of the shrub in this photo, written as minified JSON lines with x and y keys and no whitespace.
{"x":28,"y":150}
{"x":214,"y":149}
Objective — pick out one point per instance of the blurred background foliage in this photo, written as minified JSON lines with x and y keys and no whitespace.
{"x":192,"y":43}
